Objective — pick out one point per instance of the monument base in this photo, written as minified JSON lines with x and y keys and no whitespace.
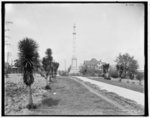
{"x":74,"y":71}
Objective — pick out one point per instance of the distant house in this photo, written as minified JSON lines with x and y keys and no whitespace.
{"x":94,"y":64}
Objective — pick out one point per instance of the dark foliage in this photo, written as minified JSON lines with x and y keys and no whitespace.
{"x":128,"y":65}
{"x":47,"y":61}
{"x":47,"y":87}
{"x":105,"y":71}
{"x":105,"y":68}
{"x":28,"y":78}
{"x":28,"y":59}
{"x":120,"y":69}
{"x":55,"y":66}
{"x":113,"y":73}
{"x":140,"y":76}
{"x":31,"y":106}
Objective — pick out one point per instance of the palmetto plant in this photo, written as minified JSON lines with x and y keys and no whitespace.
{"x":55,"y":66}
{"x":28,"y":61}
{"x":105,"y":71}
{"x":47,"y":66}
{"x":120,"y":69}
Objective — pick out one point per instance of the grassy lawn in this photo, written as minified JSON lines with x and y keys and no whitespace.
{"x":132,"y":84}
{"x":67,"y":97}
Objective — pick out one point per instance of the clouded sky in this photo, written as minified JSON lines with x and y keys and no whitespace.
{"x":103,"y":30}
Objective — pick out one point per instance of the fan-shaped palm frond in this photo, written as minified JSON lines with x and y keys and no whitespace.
{"x":28,"y":54}
{"x":48,"y":52}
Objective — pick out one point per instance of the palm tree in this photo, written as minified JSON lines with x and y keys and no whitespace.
{"x":55,"y":68}
{"x":28,"y":60}
{"x":47,"y":66}
{"x":105,"y":71}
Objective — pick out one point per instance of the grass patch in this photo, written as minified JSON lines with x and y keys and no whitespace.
{"x":131,"y":86}
{"x":67,"y":97}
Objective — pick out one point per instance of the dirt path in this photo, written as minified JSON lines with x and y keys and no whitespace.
{"x":126,"y":93}
{"x":103,"y":97}
{"x":107,"y":99}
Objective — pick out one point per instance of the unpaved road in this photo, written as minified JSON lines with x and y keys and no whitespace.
{"x":126,"y":93}
{"x":129,"y":107}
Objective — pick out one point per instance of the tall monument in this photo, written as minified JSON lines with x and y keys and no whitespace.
{"x":74,"y":67}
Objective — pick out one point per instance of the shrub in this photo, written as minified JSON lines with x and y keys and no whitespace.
{"x":63,"y":73}
{"x":131,"y":76}
{"x":47,"y":87}
{"x":140,"y":76}
{"x":113,"y":73}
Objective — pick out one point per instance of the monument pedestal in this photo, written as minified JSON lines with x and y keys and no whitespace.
{"x":74,"y":69}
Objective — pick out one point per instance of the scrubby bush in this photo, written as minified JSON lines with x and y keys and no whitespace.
{"x":63,"y":73}
{"x":131,"y":75}
{"x":140,"y":77}
{"x":113,"y":73}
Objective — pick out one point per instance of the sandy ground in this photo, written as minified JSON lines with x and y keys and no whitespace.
{"x":126,"y":93}
{"x":67,"y":97}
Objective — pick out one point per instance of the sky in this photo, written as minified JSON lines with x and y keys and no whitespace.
{"x":103,"y":30}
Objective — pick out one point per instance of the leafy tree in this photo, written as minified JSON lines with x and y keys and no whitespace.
{"x":128,"y":63}
{"x":47,"y":66}
{"x":28,"y":61}
{"x":132,"y":69}
{"x":120,"y":71}
{"x":105,"y":71}
{"x":83,"y":69}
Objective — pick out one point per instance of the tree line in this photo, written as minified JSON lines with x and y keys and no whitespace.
{"x":126,"y":67}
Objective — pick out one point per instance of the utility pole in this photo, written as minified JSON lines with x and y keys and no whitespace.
{"x":7,"y":43}
{"x":8,"y":53}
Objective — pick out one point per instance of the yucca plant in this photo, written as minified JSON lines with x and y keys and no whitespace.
{"x":47,"y":66}
{"x":55,"y":68}
{"x":120,"y":69}
{"x":105,"y":71}
{"x":28,"y":60}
